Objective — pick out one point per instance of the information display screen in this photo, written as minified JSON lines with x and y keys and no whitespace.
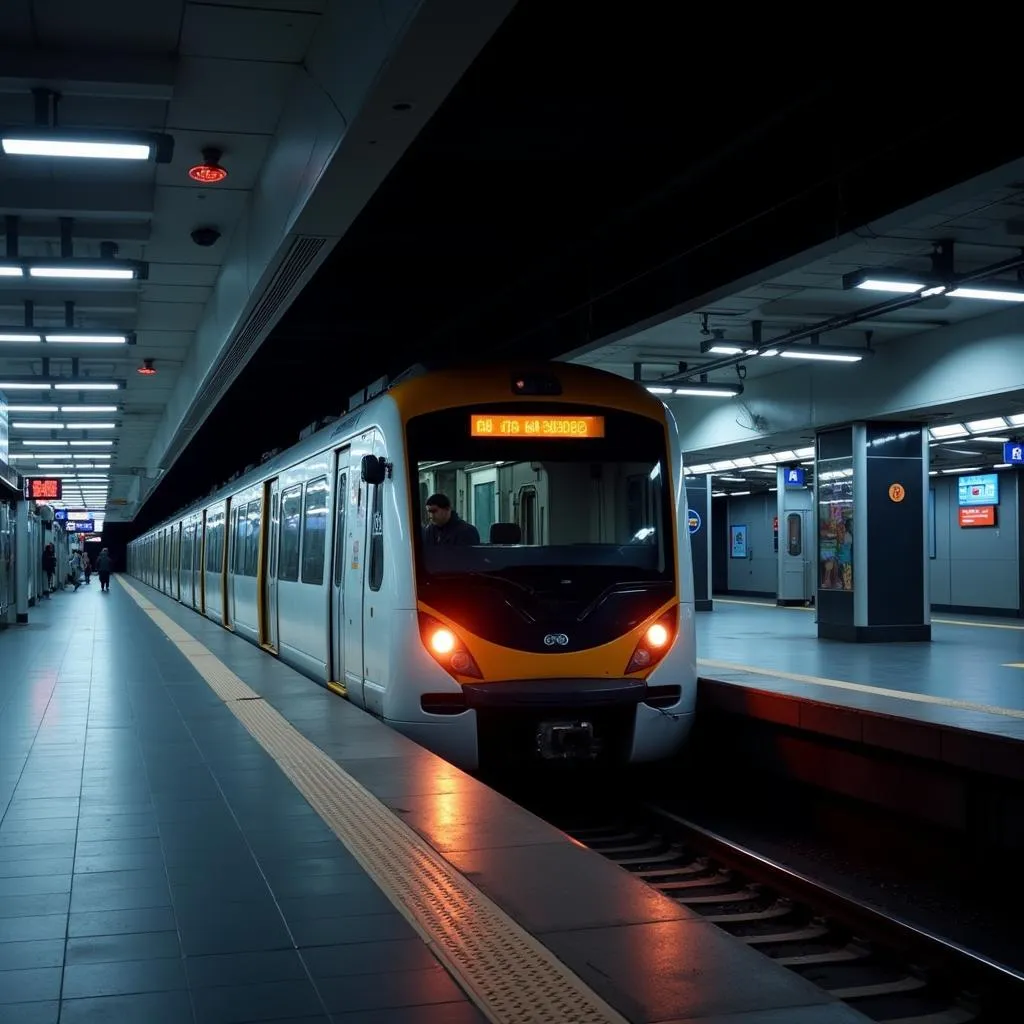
{"x":44,"y":489}
{"x":535,"y":425}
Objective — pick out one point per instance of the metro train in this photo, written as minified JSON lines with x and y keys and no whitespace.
{"x":563,"y":631}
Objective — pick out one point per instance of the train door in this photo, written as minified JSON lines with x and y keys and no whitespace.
{"x":365,"y":569}
{"x":272,"y":533}
{"x":340,"y":561}
{"x":797,"y":569}
{"x":355,"y":563}
{"x":202,"y":564}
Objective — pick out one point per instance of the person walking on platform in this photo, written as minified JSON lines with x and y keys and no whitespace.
{"x":86,"y":566}
{"x":75,"y":564}
{"x":103,"y":566}
{"x":49,"y":568}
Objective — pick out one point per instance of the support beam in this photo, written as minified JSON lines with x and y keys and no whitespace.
{"x":22,"y":568}
{"x":118,"y":76}
{"x":86,"y":230}
{"x":35,"y":198}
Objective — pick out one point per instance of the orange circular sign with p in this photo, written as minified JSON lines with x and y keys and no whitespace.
{"x":897,"y":492}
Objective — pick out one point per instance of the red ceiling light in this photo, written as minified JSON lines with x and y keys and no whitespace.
{"x":146,"y":369}
{"x":209,"y":172}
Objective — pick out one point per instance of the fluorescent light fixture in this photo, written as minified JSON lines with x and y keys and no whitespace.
{"x":659,"y":390}
{"x":992,"y":423}
{"x":85,"y":386}
{"x":770,"y":352}
{"x":86,"y":339}
{"x":8,"y":270}
{"x":76,"y":144}
{"x":963,"y":469}
{"x":1002,"y":465}
{"x":822,"y":354}
{"x":700,"y":470}
{"x":45,"y":444}
{"x":949,"y":430}
{"x":992,"y":440}
{"x":23,"y":386}
{"x":89,"y":408}
{"x":19,"y":337}
{"x":92,"y":455}
{"x":992,"y":294}
{"x":82,"y":444}
{"x":805,"y":453}
{"x":723,"y":350}
{"x":703,"y":390}
{"x":724,"y":464}
{"x":1017,"y":420}
{"x":876,"y":284}
{"x":894,"y":281}
{"x":744,"y":461}
{"x":32,"y":408}
{"x":38,"y":426}
{"x":738,"y":494}
{"x":13,"y":146}
{"x":84,"y":273}
{"x":760,"y":460}
{"x":733,"y":479}
{"x":91,"y":426}
{"x":718,"y":494}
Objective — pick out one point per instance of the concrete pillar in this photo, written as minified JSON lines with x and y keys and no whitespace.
{"x":871,"y":490}
{"x":698,"y":522}
{"x":795,"y":530}
{"x":22,"y":560}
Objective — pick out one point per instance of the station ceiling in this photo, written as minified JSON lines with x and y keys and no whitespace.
{"x":436,"y":182}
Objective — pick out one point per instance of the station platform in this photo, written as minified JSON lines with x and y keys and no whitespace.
{"x":958,"y":699}
{"x":193,"y":832}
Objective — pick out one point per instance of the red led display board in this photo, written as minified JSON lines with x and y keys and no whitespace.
{"x":980,"y":515}
{"x":44,"y":489}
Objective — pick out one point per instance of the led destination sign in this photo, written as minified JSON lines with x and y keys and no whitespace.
{"x":556,"y":427}
{"x":44,"y":488}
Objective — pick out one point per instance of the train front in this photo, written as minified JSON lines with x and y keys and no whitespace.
{"x":554,"y":591}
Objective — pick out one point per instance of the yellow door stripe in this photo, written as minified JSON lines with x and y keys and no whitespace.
{"x":508,"y":973}
{"x":841,"y":684}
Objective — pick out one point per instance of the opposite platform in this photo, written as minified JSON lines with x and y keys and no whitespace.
{"x":171,"y":852}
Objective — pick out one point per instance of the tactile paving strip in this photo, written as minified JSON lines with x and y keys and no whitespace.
{"x":511,"y":976}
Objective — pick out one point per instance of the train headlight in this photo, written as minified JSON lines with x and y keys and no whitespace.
{"x":447,"y":650}
{"x":442,"y":641}
{"x":654,"y":644}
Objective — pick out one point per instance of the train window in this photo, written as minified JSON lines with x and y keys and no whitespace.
{"x":376,"y":568}
{"x":340,"y":540}
{"x":238,"y":560}
{"x":314,"y":531}
{"x":252,"y":537}
{"x":291,"y":510}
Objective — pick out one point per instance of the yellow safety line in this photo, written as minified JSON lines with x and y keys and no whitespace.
{"x":508,"y":973}
{"x":841,"y":684}
{"x":805,"y":608}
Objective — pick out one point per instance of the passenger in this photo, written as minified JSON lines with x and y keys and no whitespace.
{"x":86,"y":566}
{"x":75,"y":564}
{"x":446,"y":526}
{"x":49,"y":568}
{"x":103,"y":566}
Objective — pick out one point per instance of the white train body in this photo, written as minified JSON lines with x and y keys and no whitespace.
{"x":546,"y":625}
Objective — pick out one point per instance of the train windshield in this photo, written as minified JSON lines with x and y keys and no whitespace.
{"x":539,"y":518}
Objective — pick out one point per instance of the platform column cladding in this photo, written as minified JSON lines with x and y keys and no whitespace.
{"x":870,"y":505}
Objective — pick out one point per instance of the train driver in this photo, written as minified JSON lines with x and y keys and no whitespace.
{"x":446,"y":526}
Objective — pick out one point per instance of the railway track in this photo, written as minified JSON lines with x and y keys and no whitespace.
{"x":885,"y":968}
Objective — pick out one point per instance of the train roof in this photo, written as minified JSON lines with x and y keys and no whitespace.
{"x":419,"y":390}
